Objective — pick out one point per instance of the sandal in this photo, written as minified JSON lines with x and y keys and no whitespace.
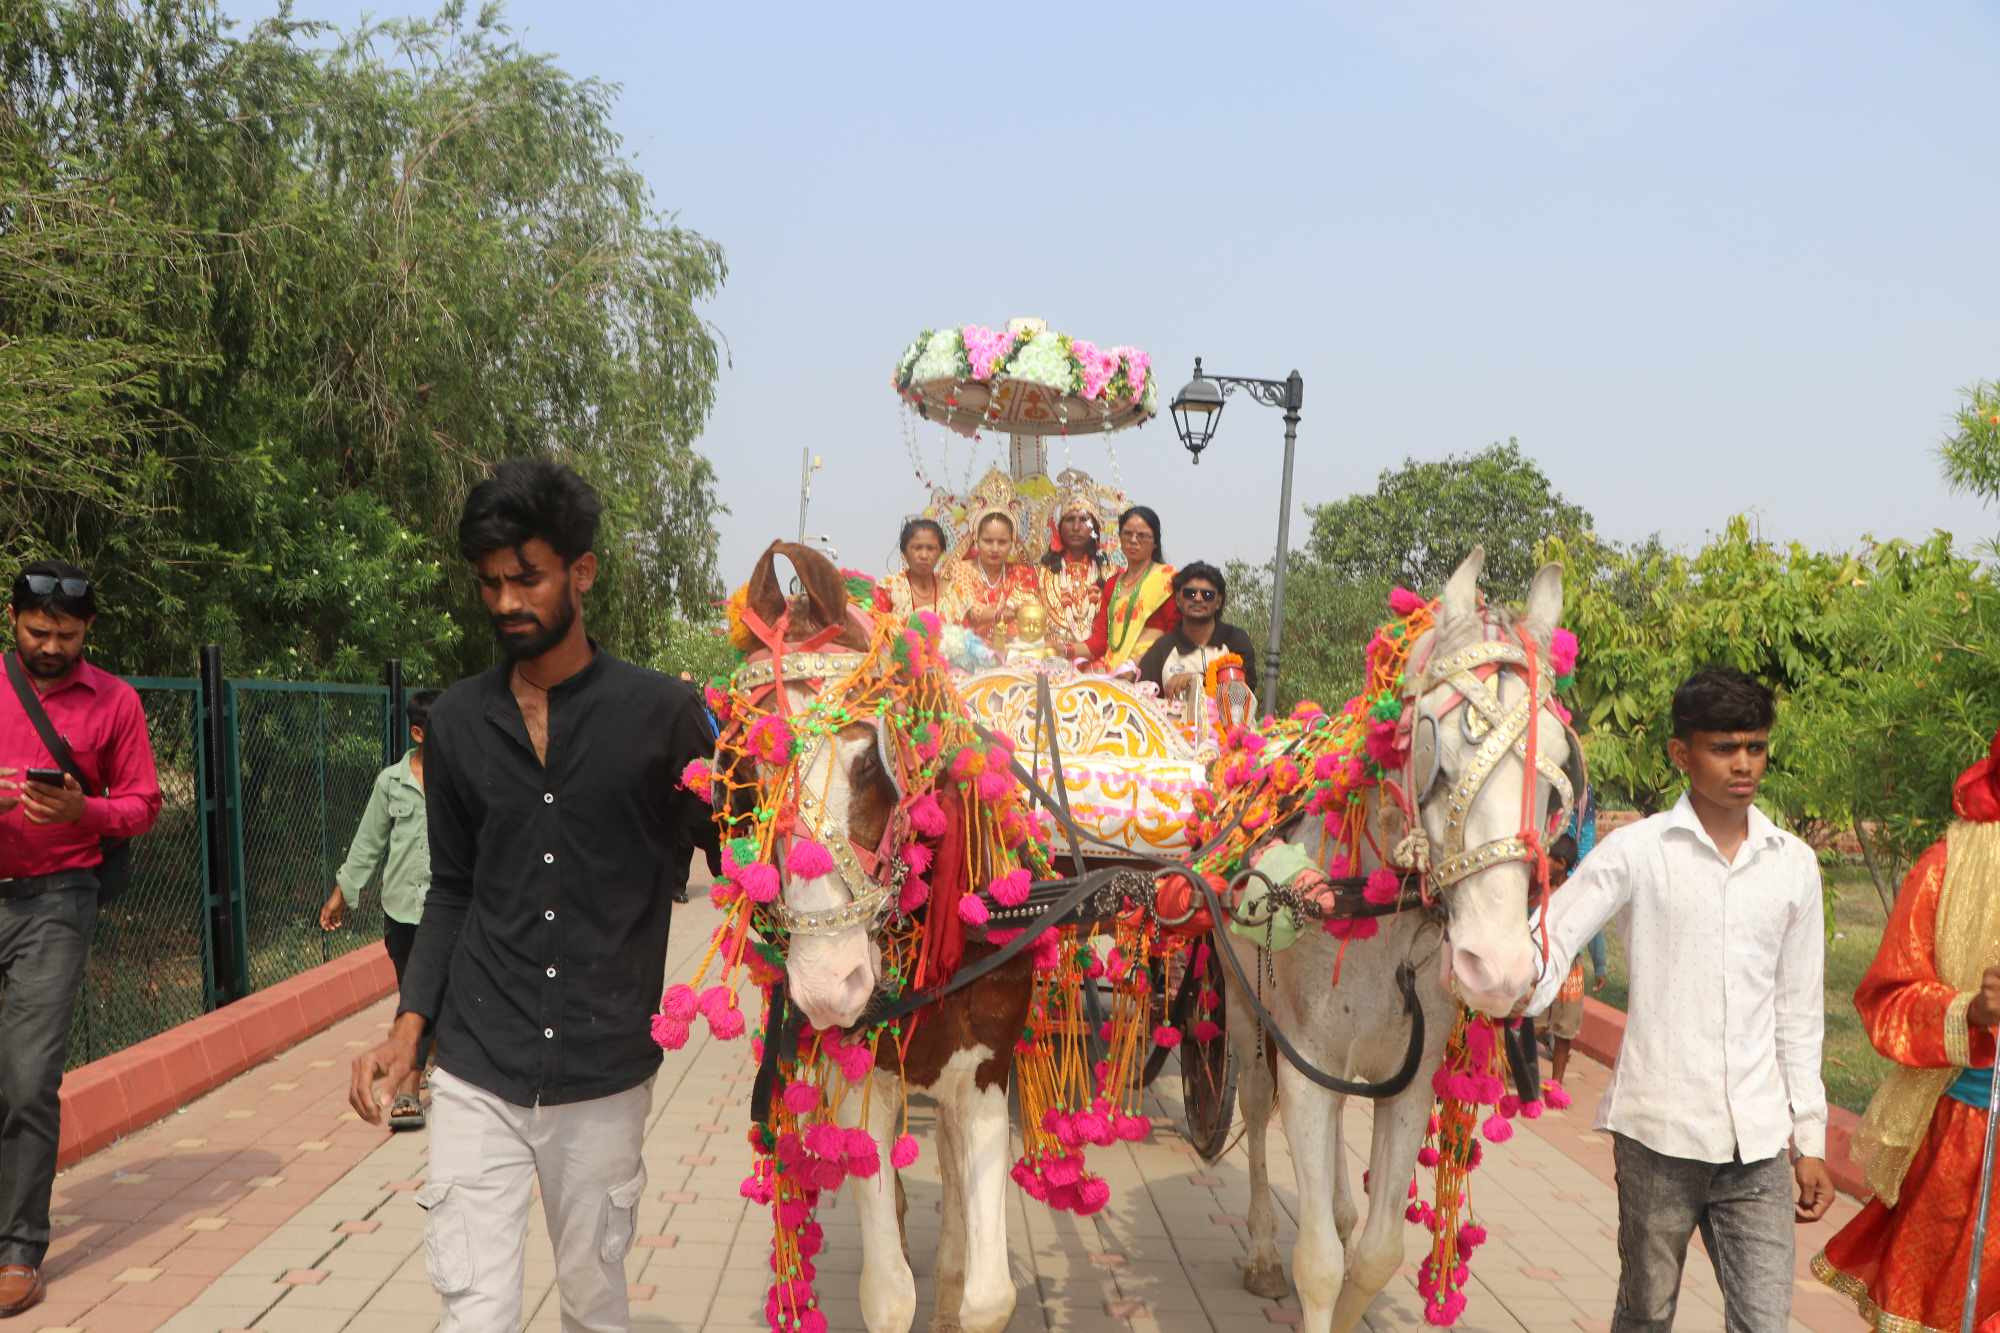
{"x":406,"y":1112}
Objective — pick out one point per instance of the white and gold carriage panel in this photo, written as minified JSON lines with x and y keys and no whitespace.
{"x":1129,"y":772}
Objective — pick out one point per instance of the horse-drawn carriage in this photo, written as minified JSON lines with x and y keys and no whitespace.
{"x":1036,"y":883}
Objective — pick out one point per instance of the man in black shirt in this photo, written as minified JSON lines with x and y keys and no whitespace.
{"x":558,"y":835}
{"x":1185,"y":651}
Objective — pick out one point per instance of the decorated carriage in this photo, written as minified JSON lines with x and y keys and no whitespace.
{"x":1034,"y":878}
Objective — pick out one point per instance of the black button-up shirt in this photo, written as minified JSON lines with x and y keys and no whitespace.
{"x":541,"y":953}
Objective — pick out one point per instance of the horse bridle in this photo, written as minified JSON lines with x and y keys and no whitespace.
{"x":860,"y":870}
{"x":1496,"y":728}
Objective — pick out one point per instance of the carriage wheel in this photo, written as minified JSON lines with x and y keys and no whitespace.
{"x":1208,"y":1079}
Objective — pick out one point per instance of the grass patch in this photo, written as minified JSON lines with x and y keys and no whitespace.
{"x":1850,"y":1066}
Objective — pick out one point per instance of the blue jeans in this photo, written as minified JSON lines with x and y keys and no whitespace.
{"x":43,"y":943}
{"x":1744,"y":1213}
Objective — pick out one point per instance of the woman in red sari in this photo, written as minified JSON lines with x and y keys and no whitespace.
{"x":1137,"y":606}
{"x":1930,"y":1002}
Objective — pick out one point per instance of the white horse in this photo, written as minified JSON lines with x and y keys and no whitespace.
{"x":1482,"y":953}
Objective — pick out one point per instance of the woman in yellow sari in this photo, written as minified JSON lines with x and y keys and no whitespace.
{"x":1137,"y":607}
{"x":988,"y":585}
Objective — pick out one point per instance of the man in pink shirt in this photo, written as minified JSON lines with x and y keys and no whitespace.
{"x":51,"y":849}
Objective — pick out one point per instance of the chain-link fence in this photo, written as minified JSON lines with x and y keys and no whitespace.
{"x":306,"y":759}
{"x":148,"y":964}
{"x":295,"y":766}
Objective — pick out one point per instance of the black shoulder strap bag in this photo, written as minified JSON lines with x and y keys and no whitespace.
{"x":116,"y":872}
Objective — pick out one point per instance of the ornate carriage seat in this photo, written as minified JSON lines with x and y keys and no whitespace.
{"x":1128,"y":769}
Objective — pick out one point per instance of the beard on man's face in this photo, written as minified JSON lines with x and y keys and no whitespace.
{"x":49,"y":666}
{"x":524,"y":637}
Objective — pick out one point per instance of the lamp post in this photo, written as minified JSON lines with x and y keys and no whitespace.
{"x":1196,"y":410}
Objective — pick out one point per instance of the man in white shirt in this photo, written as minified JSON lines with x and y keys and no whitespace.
{"x":1720,"y":1067}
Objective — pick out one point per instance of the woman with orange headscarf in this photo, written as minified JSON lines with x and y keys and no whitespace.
{"x":988,"y":585}
{"x":1930,"y":1002}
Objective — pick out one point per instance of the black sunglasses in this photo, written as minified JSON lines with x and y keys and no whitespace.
{"x":50,"y":585}
{"x":1200,"y":594}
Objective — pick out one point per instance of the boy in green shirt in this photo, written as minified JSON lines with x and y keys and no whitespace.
{"x":393,"y":838}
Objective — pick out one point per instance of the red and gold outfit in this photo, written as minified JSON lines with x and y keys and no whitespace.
{"x":1904,"y":1259}
{"x":894,"y":595}
{"x":969,"y":588}
{"x":1070,"y":596}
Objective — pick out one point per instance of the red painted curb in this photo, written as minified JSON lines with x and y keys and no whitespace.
{"x":107,"y":1099}
{"x":1604,"y":1031}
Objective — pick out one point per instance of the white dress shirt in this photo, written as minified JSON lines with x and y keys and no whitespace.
{"x":1726,"y":1013}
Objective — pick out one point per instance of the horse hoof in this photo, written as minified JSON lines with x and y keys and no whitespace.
{"x":1266,"y":1281}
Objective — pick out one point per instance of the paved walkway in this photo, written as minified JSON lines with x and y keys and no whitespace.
{"x":268,"y":1205}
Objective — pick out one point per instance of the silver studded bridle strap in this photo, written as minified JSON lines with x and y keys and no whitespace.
{"x":1497,"y":728}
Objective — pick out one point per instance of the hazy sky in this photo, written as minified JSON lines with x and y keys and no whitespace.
{"x":1700,"y":258}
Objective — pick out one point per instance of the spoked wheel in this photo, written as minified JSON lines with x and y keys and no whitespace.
{"x":1208,"y":1071}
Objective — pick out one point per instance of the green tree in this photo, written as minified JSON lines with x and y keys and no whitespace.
{"x":1328,"y":621}
{"x":1971,"y":453}
{"x":269,"y":306}
{"x":1424,"y":518}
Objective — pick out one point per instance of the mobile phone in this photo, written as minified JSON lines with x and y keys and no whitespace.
{"x":48,"y":777}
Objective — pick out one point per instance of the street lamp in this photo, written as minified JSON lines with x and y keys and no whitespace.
{"x":1196,"y":411}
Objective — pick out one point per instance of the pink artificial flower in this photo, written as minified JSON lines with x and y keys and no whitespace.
{"x":770,"y":740}
{"x":808,"y":860}
{"x":699,"y":778}
{"x":984,"y":348}
{"x":1137,"y":366}
{"x":1098,"y":367}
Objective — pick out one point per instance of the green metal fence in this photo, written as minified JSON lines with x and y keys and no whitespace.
{"x":226,"y":900}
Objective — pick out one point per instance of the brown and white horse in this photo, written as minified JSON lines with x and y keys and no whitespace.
{"x":963,"y":1046}
{"x":1466,"y":780}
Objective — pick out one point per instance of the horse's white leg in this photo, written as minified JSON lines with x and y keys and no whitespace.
{"x":888,"y":1288}
{"x":1399,"y":1132}
{"x":949,"y":1287}
{"x":1263,"y":1271}
{"x":1316,"y":1258}
{"x":1345,"y":1211}
{"x":988,"y":1301}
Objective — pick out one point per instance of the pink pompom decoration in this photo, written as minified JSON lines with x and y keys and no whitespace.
{"x":671,"y":1034}
{"x":793,"y":1214}
{"x":801,"y":1098}
{"x":1166,"y":1035}
{"x":994,"y":783}
{"x":679,"y":1003}
{"x":1010,"y":889}
{"x":1427,"y":1157}
{"x":1562,"y":651}
{"x":1066,"y":1132}
{"x":1414,"y":1213}
{"x":1356,"y":928}
{"x":1047,"y":952}
{"x":1556,"y":1096}
{"x":1206,"y":1031}
{"x":1383,"y":887}
{"x":713,"y":999}
{"x":755,"y":1188}
{"x":917,"y":857}
{"x":972,"y":910}
{"x":1402,"y":601}
{"x":1001,"y":937}
{"x":726,"y":1024}
{"x":927,"y":816}
{"x":855,"y":1061}
{"x":758,"y":881}
{"x":699,"y":778}
{"x":1093,"y":1128}
{"x":1442,"y":1312}
{"x":1064,"y":1170}
{"x":1092,"y":1193}
{"x":1531,"y":1110}
{"x":1132,"y":1128}
{"x":808,"y":860}
{"x":1509,"y":1106}
{"x":904,"y":1153}
{"x":864,"y":1159}
{"x":826,"y":1140}
{"x":914,"y":894}
{"x":1471,"y":1237}
{"x":1497,"y":1129}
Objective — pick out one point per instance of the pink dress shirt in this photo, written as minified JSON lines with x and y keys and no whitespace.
{"x":99,"y":716}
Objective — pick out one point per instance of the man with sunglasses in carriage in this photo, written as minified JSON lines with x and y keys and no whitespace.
{"x":76,"y":782}
{"x":1716,"y":1108}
